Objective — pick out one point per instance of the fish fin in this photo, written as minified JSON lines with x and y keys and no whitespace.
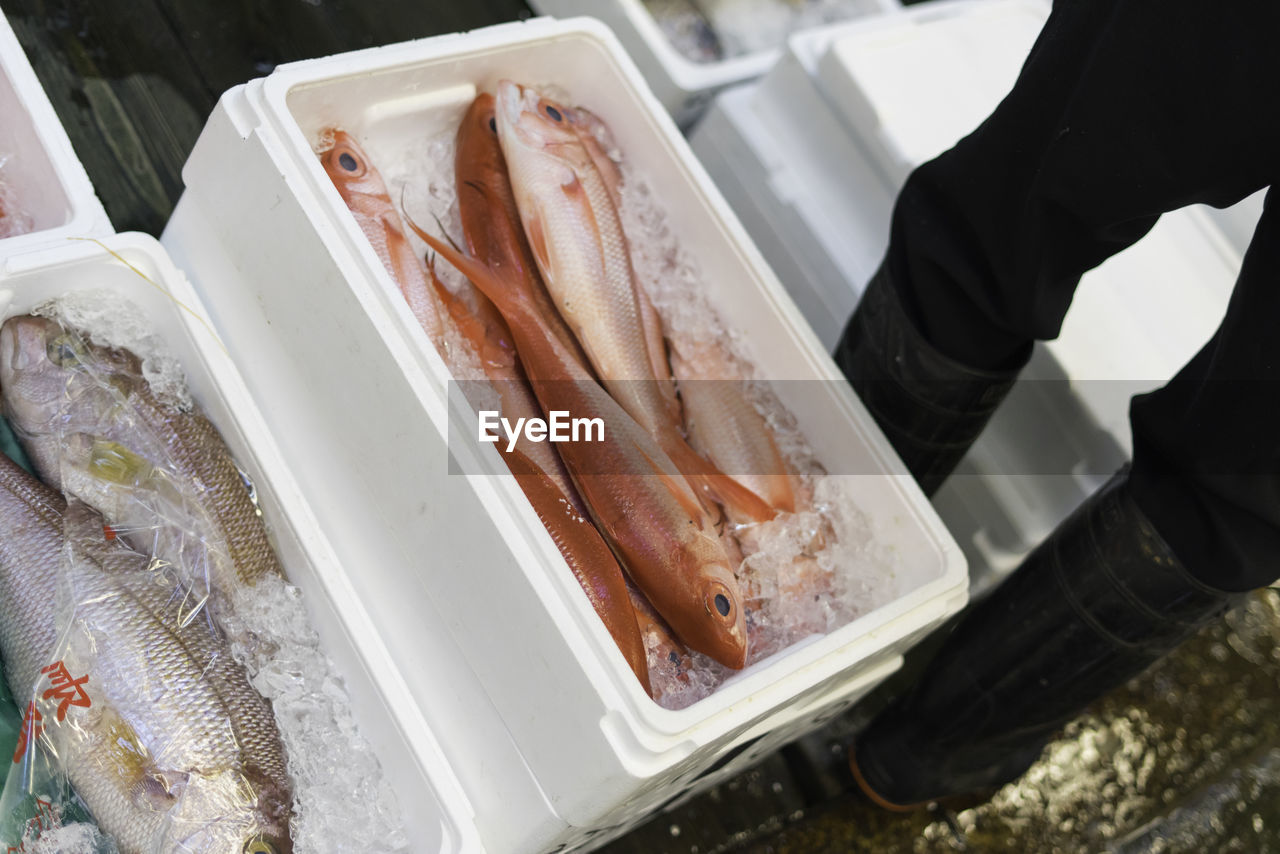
{"x":703,"y":475}
{"x":577,"y":195}
{"x":158,"y":790}
{"x":468,"y":324}
{"x":149,"y":787}
{"x":679,"y":490}
{"x":406,"y":270}
{"x":538,"y":243}
{"x":574,"y":191}
{"x":656,"y":344}
{"x":480,"y":275}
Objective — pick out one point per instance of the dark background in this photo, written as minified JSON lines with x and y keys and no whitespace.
{"x":134,"y":80}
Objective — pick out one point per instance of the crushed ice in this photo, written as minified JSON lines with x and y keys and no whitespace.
{"x":73,"y":838}
{"x":14,"y":220}
{"x":101,"y":317}
{"x":342,"y":801}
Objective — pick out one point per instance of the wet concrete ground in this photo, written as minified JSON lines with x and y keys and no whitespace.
{"x":1185,"y":758}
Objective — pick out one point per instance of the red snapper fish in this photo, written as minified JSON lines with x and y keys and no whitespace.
{"x":566,"y":192}
{"x":491,"y":228}
{"x":665,"y":538}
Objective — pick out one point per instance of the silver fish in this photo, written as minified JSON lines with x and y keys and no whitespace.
{"x":160,"y":474}
{"x":163,"y":739}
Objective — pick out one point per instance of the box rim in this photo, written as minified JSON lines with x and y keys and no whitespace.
{"x":87,"y":216}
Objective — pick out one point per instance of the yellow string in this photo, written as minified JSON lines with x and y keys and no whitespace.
{"x":162,"y":289}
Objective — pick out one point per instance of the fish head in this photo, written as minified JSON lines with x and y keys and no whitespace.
{"x":43,"y":366}
{"x":477,"y":133}
{"x":479,"y":165}
{"x":350,"y":169}
{"x":535,"y":122}
{"x":720,"y":629}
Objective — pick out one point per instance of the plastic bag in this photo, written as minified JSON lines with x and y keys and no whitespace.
{"x":190,"y":512}
{"x":139,"y":712}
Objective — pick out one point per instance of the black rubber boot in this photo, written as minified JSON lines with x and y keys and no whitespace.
{"x":1098,"y":602}
{"x":929,"y":406}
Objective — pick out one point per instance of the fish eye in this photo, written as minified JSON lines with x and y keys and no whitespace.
{"x":63,"y":351}
{"x":346,"y":161}
{"x":553,"y":113}
{"x":259,"y":846}
{"x":719,"y":602}
{"x":493,"y":124}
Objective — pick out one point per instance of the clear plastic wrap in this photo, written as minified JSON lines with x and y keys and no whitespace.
{"x":175,"y":664}
{"x":140,"y":707}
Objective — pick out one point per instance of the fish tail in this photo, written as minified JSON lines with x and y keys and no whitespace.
{"x":467,"y":322}
{"x":507,"y":299}
{"x":740,"y":501}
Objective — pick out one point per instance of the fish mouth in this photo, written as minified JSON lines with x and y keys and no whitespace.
{"x":510,"y":102}
{"x":22,"y":343}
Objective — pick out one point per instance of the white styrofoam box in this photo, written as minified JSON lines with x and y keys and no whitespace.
{"x":913,"y":84}
{"x":437,"y":814}
{"x":808,"y":196}
{"x":811,"y":163}
{"x":684,"y":86}
{"x":321,"y":331}
{"x":41,"y":170}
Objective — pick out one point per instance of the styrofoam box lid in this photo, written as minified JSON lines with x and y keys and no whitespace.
{"x":37,"y":161}
{"x":676,"y":75}
{"x":388,"y":92}
{"x":436,"y":812}
{"x":924,"y":78}
{"x":681,"y":84}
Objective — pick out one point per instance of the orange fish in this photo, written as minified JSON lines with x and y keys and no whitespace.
{"x":492,"y":232}
{"x":641,"y":504}
{"x":365,"y":194}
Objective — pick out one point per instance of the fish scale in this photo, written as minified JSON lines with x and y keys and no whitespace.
{"x":171,"y":713}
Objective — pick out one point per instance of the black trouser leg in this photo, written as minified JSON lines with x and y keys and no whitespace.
{"x":1125,"y":110}
{"x":1206,"y":459}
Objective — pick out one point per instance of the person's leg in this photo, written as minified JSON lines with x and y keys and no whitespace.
{"x":1149,"y":558}
{"x":1123,"y":110}
{"x":1206,"y":461}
